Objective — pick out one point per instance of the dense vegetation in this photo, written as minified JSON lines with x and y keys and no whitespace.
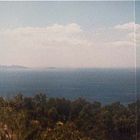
{"x":42,"y":118}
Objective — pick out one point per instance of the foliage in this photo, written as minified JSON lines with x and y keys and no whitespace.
{"x":42,"y":118}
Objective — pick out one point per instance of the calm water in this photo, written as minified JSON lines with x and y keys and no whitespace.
{"x":104,"y":85}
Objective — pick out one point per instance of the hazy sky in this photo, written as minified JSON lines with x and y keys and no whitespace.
{"x":68,"y":34}
{"x":137,"y":20}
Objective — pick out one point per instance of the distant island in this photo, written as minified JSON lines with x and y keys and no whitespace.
{"x":13,"y":67}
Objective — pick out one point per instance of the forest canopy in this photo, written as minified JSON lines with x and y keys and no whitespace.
{"x":43,"y":118}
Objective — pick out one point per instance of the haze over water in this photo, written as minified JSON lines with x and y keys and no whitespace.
{"x":104,"y":85}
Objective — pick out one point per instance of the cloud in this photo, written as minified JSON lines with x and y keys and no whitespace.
{"x":57,"y":44}
{"x":70,"y":28}
{"x":66,"y":46}
{"x":122,"y":44}
{"x":46,"y":36}
{"x":131,"y":31}
{"x":127,"y":26}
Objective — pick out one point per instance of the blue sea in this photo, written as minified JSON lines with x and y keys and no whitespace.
{"x":104,"y":85}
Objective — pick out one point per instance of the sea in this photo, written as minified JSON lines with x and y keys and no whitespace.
{"x":103,"y":85}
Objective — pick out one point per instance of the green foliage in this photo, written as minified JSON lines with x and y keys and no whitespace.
{"x":41,"y":118}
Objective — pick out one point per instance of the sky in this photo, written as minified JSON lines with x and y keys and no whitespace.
{"x":137,"y":20}
{"x":69,"y":34}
